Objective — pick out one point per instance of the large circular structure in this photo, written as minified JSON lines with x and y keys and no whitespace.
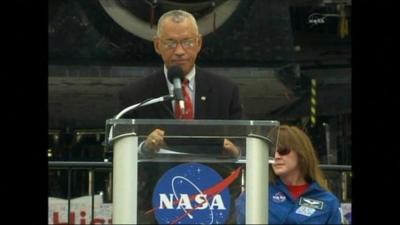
{"x":209,"y":14}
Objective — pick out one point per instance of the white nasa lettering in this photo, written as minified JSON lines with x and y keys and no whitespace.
{"x":184,"y":201}
{"x":217,"y":200}
{"x":166,"y":202}
{"x":202,"y":200}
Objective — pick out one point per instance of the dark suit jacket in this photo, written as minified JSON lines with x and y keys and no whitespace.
{"x":221,"y":97}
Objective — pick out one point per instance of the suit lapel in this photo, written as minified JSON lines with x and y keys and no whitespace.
{"x":164,"y":109}
{"x":203,"y":90}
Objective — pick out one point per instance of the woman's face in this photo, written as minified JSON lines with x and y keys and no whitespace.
{"x":286,"y":165}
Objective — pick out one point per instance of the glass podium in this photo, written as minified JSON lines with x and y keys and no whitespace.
{"x":192,"y":180}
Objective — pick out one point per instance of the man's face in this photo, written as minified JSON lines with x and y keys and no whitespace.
{"x":178,"y":44}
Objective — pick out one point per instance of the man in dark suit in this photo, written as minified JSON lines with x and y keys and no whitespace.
{"x":211,"y":96}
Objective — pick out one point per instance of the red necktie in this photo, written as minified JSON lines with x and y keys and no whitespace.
{"x":188,"y":113}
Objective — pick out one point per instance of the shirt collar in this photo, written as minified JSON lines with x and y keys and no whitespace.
{"x":313,"y":186}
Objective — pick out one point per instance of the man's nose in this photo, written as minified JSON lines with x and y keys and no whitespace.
{"x":179,"y":50}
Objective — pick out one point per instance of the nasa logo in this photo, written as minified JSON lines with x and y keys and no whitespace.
{"x":191,"y":193}
{"x":278,"y":197}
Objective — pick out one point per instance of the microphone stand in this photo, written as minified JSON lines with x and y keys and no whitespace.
{"x":136,"y":106}
{"x":144,"y":103}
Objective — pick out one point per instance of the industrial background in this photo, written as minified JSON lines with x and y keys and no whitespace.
{"x":290,"y":58}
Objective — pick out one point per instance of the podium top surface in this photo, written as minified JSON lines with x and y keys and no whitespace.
{"x":193,"y":122}
{"x":191,"y":128}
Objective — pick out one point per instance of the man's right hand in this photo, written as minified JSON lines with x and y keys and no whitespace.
{"x":155,"y":141}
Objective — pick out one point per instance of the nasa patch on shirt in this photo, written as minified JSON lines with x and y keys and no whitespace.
{"x":278,"y":197}
{"x":305,"y":211}
{"x":312,"y":203}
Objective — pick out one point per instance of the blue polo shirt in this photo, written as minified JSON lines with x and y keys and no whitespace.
{"x":314,"y":206}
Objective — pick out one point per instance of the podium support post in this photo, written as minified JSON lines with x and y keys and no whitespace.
{"x":256,"y":181}
{"x":125,"y":176}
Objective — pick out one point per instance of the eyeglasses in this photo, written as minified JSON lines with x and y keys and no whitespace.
{"x":172,"y":44}
{"x":283,"y":150}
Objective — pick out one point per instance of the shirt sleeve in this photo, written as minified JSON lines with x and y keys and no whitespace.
{"x":240,"y":209}
{"x":336,"y":216}
{"x":143,"y":151}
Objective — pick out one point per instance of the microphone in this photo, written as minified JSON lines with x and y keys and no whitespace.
{"x":175,"y":76}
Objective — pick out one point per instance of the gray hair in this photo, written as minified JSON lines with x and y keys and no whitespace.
{"x":177,"y":16}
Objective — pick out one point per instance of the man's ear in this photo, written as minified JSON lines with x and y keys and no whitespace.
{"x":200,"y":40}
{"x":156,"y":44}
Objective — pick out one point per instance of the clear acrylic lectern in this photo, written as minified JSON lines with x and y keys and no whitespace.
{"x":138,"y":177}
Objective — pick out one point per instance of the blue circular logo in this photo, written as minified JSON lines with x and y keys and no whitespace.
{"x":191,"y":193}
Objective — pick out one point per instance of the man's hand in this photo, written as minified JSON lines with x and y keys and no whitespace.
{"x":154,"y":141}
{"x":230,"y":148}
